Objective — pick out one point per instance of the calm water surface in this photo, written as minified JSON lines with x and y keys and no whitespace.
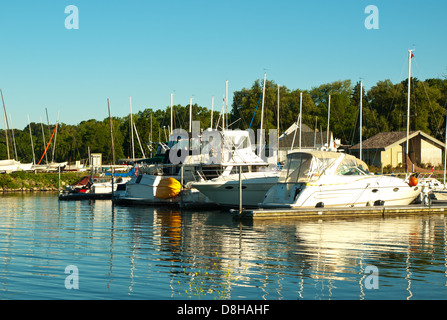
{"x":160,"y":253}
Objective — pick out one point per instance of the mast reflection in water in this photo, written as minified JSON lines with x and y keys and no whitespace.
{"x":162,"y":253}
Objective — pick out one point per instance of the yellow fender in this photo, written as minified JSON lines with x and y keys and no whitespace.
{"x":168,"y":188}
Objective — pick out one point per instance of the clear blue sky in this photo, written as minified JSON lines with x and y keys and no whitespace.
{"x":148,"y":49}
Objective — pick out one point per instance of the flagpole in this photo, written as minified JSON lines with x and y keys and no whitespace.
{"x":410,"y":55}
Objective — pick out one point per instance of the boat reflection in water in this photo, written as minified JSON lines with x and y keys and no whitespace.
{"x":172,"y":183}
{"x":213,"y":257}
{"x":138,"y":252}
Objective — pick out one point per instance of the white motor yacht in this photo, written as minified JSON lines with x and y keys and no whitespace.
{"x":332,"y":179}
{"x":224,"y":190}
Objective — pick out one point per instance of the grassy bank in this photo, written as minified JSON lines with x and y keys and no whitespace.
{"x":27,"y":181}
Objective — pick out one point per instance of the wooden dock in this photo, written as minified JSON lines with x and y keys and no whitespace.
{"x":286,"y":213}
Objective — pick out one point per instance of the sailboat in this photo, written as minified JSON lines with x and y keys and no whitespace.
{"x":10,"y":165}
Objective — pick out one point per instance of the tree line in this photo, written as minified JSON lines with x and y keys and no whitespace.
{"x":384,"y":109}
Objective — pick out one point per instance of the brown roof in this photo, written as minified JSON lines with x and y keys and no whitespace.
{"x":384,"y":140}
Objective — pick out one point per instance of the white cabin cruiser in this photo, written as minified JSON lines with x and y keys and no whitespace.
{"x":332,"y":179}
{"x":224,"y":190}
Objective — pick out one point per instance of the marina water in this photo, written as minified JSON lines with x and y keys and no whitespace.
{"x":94,"y":250}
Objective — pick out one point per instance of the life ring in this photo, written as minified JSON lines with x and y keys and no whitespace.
{"x":413,"y":181}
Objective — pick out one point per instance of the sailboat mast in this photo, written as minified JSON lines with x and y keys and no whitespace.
{"x":13,"y":138}
{"x":131,"y":129}
{"x":172,"y":112}
{"x":301,"y":116}
{"x":277,"y":126}
{"x":328,"y":118}
{"x":6,"y":124}
{"x":111,"y":133}
{"x":408,"y":102}
{"x":212,"y":110}
{"x":55,"y":137}
{"x":190,"y":114}
{"x":32,"y":143}
{"x":262,"y":109}
{"x":150,"y":140}
{"x":361,"y":112}
{"x":44,"y":141}
{"x":226,"y":104}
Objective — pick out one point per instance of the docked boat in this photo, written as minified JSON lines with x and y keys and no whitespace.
{"x":94,"y":188}
{"x":438,"y":190}
{"x":331,"y":179}
{"x":8,"y":166}
{"x":224,"y":190}
{"x":168,"y":183}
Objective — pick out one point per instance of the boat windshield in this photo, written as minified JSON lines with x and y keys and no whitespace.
{"x":305,"y":167}
{"x":352,"y":166}
{"x":236,"y":139}
{"x":308,"y":167}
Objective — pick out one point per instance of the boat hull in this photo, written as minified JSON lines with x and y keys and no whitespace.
{"x":226,"y":192}
{"x":145,"y":190}
{"x":371,"y":191}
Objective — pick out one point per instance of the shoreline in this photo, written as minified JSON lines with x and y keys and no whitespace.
{"x":30,"y":190}
{"x":30,"y":182}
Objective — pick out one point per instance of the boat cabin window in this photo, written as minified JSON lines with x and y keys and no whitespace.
{"x":235,"y":169}
{"x":308,"y":167}
{"x":350,"y":166}
{"x":236,"y":142}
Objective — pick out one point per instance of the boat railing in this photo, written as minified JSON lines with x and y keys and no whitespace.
{"x":245,"y":175}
